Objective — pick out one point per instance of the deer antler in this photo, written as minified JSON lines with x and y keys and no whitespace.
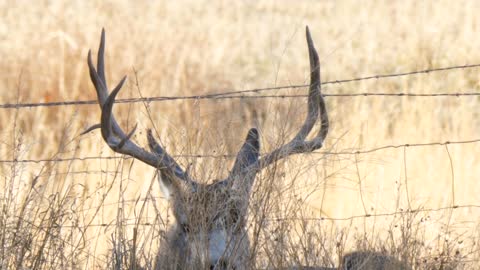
{"x":248,"y":165}
{"x":114,"y":136}
{"x":316,"y":110}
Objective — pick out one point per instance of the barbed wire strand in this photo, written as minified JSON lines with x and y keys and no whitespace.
{"x":197,"y":97}
{"x":234,"y":94}
{"x":353,"y":152}
{"x":401,"y":212}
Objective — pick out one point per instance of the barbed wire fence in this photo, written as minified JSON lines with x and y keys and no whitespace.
{"x":247,"y":94}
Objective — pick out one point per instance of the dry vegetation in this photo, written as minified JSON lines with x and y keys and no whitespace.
{"x":98,"y":213}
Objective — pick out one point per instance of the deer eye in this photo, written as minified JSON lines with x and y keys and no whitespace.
{"x":185,"y":227}
{"x":234,"y":214}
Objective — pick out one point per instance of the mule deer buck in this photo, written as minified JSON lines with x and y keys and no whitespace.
{"x":209,"y":230}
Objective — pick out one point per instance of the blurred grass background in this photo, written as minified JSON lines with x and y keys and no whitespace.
{"x":174,"y":48}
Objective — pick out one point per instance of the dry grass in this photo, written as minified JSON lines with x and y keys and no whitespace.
{"x":93,"y":213}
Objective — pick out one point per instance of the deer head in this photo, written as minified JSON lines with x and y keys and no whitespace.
{"x":209,"y":227}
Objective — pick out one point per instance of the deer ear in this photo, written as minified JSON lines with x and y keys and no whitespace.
{"x":174,"y":191}
{"x":248,"y":154}
{"x":169,"y":186}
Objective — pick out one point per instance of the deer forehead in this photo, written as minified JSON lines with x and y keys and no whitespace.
{"x":210,"y":205}
{"x":210,"y":195}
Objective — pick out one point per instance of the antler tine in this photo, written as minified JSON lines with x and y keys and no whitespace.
{"x":316,"y":107}
{"x":101,"y":59}
{"x":107,"y":119}
{"x":315,"y":83}
{"x":313,"y":94}
{"x":98,"y":75}
{"x":113,"y":135}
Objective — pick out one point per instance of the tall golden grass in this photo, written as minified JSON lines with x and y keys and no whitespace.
{"x":78,"y":214}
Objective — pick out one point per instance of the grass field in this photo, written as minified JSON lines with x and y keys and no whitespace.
{"x":89,"y":213}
